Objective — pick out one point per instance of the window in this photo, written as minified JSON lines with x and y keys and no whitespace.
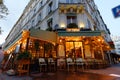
{"x":40,"y":3}
{"x":74,"y":49}
{"x":67,"y":1}
{"x":39,"y":17}
{"x":50,"y":8}
{"x":70,"y":1}
{"x":80,"y":1}
{"x":49,"y":23}
{"x":33,"y":22}
{"x":71,"y":19}
{"x":89,"y":24}
{"x":34,"y":10}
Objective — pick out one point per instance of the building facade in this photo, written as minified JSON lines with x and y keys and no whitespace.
{"x":61,"y":29}
{"x":116,"y":40}
{"x":116,"y":50}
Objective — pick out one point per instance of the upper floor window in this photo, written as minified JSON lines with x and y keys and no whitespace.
{"x":80,"y":1}
{"x":71,"y":19}
{"x":40,"y":3}
{"x":34,"y":10}
{"x":70,"y":1}
{"x":89,"y":24}
{"x":39,"y":17}
{"x":33,"y":22}
{"x":50,"y":7}
{"x":49,"y":22}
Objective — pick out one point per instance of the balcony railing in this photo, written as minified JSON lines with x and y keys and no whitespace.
{"x":71,"y":1}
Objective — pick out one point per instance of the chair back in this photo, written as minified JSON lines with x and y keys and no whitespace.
{"x":41,"y":60}
{"x":69,"y":60}
{"x":79,"y":60}
{"x":61,"y":60}
{"x":50,"y":60}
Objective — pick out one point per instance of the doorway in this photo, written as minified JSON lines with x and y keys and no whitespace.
{"x":74,"y":49}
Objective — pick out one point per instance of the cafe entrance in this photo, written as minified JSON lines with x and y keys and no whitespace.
{"x":74,"y":49}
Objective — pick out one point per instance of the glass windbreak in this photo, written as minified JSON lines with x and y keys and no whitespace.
{"x":74,"y":49}
{"x":40,"y":48}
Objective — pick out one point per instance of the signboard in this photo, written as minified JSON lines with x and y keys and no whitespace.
{"x":116,"y":11}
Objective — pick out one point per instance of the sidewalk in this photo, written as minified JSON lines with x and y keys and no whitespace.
{"x":110,"y":73}
{"x":113,"y":70}
{"x":4,"y":76}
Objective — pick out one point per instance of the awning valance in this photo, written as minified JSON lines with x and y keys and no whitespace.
{"x":80,"y":33}
{"x":44,"y":35}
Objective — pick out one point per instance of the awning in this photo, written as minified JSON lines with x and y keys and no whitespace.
{"x":13,"y":42}
{"x":112,"y":45}
{"x":81,"y":33}
{"x":115,"y":55}
{"x":44,"y":35}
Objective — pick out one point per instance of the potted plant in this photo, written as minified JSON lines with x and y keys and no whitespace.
{"x":48,"y":48}
{"x":49,"y":29}
{"x":72,"y":25}
{"x":24,"y":55}
{"x":36,"y":45}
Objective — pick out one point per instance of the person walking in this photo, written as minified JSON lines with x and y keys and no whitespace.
{"x":1,"y":56}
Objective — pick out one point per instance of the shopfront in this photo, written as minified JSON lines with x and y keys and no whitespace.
{"x":64,"y":44}
{"x":87,"y":44}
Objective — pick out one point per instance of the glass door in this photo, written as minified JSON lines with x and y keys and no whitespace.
{"x":78,"y":49}
{"x":74,"y":49}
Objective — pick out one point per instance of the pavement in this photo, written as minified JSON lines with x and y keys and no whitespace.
{"x":110,"y":73}
{"x":113,"y":70}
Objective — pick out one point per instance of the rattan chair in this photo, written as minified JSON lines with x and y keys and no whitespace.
{"x":42,"y":64}
{"x":51,"y":64}
{"x":79,"y":62}
{"x":69,"y":63}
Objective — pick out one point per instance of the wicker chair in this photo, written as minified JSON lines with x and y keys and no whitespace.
{"x":51,"y":64}
{"x":69,"y":63}
{"x":79,"y":62}
{"x":42,"y":63}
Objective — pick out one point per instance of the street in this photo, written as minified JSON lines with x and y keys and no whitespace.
{"x":110,"y":73}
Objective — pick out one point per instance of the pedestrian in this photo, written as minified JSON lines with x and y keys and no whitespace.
{"x":1,"y":56}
